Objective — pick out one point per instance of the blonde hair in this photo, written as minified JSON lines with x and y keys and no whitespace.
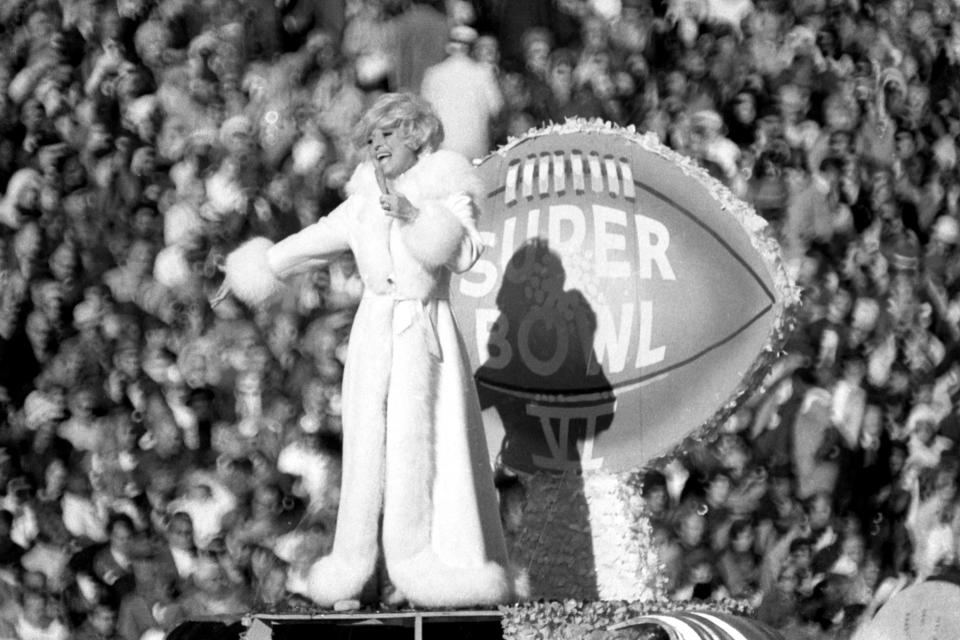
{"x":414,"y":119}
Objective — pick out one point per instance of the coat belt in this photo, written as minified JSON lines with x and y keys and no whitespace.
{"x":412,"y":314}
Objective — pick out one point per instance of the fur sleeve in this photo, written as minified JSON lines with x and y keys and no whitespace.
{"x":444,"y":233}
{"x":248,"y":274}
{"x":256,"y":269}
{"x":315,"y":245}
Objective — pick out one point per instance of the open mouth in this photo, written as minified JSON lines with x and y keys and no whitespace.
{"x":383,"y":155}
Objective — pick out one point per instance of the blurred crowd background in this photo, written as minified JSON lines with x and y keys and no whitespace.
{"x":161,"y":459}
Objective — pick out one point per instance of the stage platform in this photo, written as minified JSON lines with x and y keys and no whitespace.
{"x":418,"y":625}
{"x":358,"y":625}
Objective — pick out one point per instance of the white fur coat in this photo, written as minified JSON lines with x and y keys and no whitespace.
{"x":413,"y":445}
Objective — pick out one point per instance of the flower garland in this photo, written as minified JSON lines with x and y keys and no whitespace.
{"x":579,"y":619}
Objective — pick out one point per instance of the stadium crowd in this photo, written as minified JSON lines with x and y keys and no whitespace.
{"x":161,"y":458}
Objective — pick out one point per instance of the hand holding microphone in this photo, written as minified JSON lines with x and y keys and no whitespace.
{"x":394,"y":205}
{"x":397,"y":206}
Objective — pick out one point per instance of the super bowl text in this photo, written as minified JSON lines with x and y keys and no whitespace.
{"x":622,"y":335}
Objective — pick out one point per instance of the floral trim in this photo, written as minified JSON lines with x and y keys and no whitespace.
{"x":578,"y":619}
{"x":584,"y":537}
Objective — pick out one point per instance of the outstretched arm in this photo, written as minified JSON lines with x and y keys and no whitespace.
{"x":255,"y":270}
{"x":312,"y":247}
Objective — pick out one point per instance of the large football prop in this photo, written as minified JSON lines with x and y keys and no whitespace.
{"x":625,"y":301}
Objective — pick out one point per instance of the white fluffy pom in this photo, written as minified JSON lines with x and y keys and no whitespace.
{"x":428,"y":581}
{"x":171,"y":268}
{"x":248,"y":273}
{"x":332,"y":579}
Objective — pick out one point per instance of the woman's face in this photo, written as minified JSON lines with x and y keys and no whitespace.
{"x":391,"y":151}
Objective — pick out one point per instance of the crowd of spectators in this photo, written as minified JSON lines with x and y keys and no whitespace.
{"x":161,"y":458}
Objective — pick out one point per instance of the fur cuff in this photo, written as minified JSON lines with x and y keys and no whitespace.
{"x":427,"y":581}
{"x":433,"y":238}
{"x":248,"y":273}
{"x":334,"y":578}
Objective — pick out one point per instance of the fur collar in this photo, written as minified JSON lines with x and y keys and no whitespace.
{"x":436,"y":175}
